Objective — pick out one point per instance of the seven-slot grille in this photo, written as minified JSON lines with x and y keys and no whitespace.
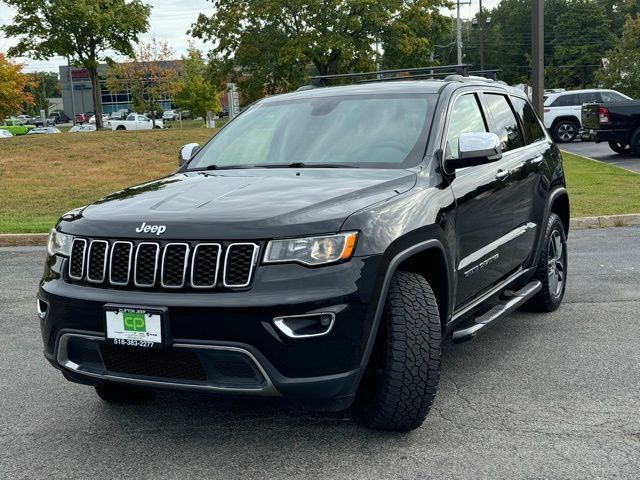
{"x":170,"y":265}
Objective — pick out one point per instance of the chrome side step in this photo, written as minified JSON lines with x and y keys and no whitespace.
{"x":515,"y":300}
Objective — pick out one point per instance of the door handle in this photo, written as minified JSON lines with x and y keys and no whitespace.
{"x":502,"y":174}
{"x":537,"y":160}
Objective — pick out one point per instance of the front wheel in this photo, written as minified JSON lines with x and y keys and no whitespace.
{"x":401,"y":380}
{"x":619,"y":148}
{"x":552,"y":267}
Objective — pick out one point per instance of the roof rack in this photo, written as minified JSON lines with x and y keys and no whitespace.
{"x":390,"y":75}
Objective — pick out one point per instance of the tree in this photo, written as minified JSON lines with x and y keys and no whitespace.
{"x":196,"y":93}
{"x":83,"y":30}
{"x":45,"y":85}
{"x":13,"y":87}
{"x":582,"y":38}
{"x":622,"y":71}
{"x":275,"y":41}
{"x":150,"y":76}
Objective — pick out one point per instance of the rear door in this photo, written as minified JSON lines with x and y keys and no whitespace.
{"x":484,"y":215}
{"x":521,"y":166}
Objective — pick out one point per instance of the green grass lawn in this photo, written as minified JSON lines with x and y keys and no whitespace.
{"x":596,"y":188}
{"x":43,"y":176}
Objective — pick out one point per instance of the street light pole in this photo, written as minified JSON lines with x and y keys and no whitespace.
{"x":537,"y":56}
{"x":459,"y":33}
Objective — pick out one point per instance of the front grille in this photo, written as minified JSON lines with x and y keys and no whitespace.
{"x":151,"y":362}
{"x":162,"y":265}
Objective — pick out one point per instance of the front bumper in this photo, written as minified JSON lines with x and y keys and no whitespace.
{"x":323,"y":372}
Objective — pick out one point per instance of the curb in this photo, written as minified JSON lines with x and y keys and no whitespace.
{"x":605,"y":221}
{"x":580,"y":223}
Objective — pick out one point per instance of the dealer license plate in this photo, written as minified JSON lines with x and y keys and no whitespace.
{"x":134,"y":328}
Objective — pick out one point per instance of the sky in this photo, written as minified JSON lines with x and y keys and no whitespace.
{"x":170,"y":20}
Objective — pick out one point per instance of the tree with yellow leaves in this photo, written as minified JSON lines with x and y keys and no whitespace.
{"x":12,"y":87}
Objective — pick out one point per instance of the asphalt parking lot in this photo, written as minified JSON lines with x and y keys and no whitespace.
{"x":536,"y":396}
{"x":602,"y":152}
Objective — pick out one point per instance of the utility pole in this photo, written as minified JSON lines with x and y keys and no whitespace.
{"x":537,"y":56}
{"x":73,"y":93}
{"x":481,"y":32}
{"x":459,"y":28}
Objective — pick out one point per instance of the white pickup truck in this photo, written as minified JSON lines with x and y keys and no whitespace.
{"x":134,"y":121}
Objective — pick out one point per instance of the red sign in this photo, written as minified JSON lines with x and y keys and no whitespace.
{"x":80,"y":74}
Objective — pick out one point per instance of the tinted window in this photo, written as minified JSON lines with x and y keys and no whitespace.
{"x":506,"y":125}
{"x":466,"y":117}
{"x":530,"y":124}
{"x":570,"y":100}
{"x":612,"y":97}
{"x":589,"y":97}
{"x":380,"y":131}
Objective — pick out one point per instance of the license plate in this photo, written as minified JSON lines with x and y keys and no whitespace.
{"x":134,"y":327}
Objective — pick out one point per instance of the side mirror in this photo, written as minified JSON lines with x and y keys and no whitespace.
{"x":187,"y":152}
{"x":475,"y":148}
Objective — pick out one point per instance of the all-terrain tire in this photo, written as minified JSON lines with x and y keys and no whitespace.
{"x":116,"y":393}
{"x":619,"y":148}
{"x":552,"y":267}
{"x":634,"y":146}
{"x":400,"y":384}
{"x":565,"y":131}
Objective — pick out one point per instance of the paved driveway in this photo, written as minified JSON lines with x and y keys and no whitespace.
{"x":602,"y":152}
{"x":536,"y":396}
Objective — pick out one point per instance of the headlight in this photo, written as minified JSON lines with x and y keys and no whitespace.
{"x":59,"y":243}
{"x":312,"y":250}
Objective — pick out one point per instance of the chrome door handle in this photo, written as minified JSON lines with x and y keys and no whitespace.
{"x":537,"y":160}
{"x":502,"y":174}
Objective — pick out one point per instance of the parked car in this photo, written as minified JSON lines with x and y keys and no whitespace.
{"x":317,"y":250}
{"x":59,"y":117}
{"x":105,"y":119}
{"x":5,"y":133}
{"x":134,"y":121}
{"x":82,"y":128}
{"x":617,"y":123}
{"x":15,"y":126}
{"x":562,"y":110}
{"x":38,"y":122}
{"x":43,"y":131}
{"x":170,"y":115}
{"x":81,"y":118}
{"x":26,"y":119}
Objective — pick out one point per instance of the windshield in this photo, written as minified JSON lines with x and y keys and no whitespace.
{"x":376,"y":131}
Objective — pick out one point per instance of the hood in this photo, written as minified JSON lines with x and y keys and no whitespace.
{"x":239,"y":204}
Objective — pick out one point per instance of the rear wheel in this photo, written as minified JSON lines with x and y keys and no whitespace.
{"x":120,"y":127}
{"x":565,"y":131}
{"x":619,"y":148}
{"x":400,"y":383}
{"x":635,"y":143}
{"x":552,"y":267}
{"x":116,"y":393}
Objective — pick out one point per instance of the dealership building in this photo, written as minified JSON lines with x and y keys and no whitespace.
{"x":77,"y":96}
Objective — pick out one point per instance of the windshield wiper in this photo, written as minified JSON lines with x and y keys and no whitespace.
{"x":272,"y":165}
{"x":308,"y":165}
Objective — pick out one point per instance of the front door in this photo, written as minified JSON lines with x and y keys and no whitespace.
{"x":484,"y":210}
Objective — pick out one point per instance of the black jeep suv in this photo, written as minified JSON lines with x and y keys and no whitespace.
{"x":318,"y":249}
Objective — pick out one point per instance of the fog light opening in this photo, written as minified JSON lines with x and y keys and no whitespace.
{"x":306,"y":326}
{"x":42,"y":308}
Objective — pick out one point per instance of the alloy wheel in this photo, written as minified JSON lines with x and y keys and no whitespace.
{"x":555,"y":263}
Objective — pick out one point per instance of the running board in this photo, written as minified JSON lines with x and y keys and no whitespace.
{"x":514,"y":301}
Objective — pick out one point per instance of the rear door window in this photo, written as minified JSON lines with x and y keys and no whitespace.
{"x":533,"y":131}
{"x":589,"y":97}
{"x":505,"y":122}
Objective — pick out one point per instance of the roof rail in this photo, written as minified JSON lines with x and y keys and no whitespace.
{"x":388,"y":75}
